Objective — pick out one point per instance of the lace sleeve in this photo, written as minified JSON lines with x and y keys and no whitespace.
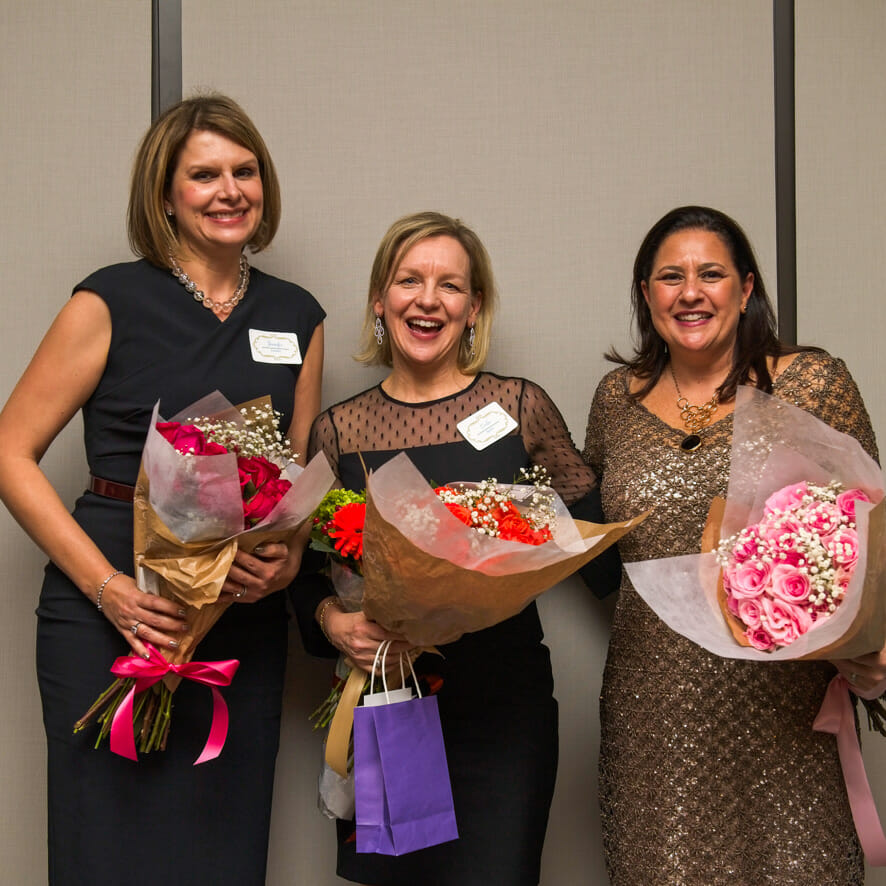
{"x":822,"y":385}
{"x":324,"y":438}
{"x":549,"y":445}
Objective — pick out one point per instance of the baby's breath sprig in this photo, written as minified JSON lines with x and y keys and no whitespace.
{"x":259,"y":435}
{"x":541,"y":502}
{"x":484,"y":501}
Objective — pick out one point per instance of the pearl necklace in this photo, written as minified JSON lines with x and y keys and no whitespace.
{"x":695,"y":418}
{"x":223,"y":307}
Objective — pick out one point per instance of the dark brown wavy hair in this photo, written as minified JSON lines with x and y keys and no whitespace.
{"x":757,"y":334}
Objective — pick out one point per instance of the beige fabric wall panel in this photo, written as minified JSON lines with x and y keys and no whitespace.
{"x":841,"y":216}
{"x":560,"y":131}
{"x":841,"y":186}
{"x":76,"y":97}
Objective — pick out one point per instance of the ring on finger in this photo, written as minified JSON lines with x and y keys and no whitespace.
{"x":241,"y":592}
{"x":135,"y":628}
{"x":853,"y":677}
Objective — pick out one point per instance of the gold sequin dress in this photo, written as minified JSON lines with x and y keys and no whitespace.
{"x":710,"y":772}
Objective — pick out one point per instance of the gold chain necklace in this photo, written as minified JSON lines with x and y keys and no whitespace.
{"x":695,"y":418}
{"x":225,"y":306}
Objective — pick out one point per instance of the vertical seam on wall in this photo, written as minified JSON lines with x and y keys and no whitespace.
{"x":785,"y":168}
{"x":166,"y":55}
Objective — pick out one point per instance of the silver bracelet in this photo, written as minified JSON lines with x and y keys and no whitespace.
{"x":101,"y":588}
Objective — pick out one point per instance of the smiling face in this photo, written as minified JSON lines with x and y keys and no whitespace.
{"x":428,"y":305}
{"x":696,"y":296}
{"x":215,"y":194}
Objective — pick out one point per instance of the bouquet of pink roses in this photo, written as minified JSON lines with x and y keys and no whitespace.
{"x":775,"y":447}
{"x":793,"y":565}
{"x":790,"y":571}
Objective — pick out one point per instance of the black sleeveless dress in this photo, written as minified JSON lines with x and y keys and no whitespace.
{"x":163,"y":819}
{"x":497,"y":708}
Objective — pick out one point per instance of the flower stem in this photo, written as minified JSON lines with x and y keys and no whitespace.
{"x":107,"y":717}
{"x":97,"y":705}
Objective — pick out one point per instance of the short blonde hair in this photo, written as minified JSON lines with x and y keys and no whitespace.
{"x":152,"y":233}
{"x":399,"y":239}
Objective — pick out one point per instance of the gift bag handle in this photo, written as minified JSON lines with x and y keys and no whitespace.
{"x":382,"y":652}
{"x":411,"y":671}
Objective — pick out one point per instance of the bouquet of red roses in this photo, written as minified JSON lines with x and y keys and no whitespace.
{"x":488,"y":507}
{"x":213,"y":480}
{"x":438,"y":563}
{"x":433,"y":578}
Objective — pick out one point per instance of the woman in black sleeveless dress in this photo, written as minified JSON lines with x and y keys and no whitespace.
{"x":203,"y":188}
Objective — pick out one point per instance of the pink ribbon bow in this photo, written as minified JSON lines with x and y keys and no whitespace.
{"x":836,"y":716}
{"x":153,"y":669}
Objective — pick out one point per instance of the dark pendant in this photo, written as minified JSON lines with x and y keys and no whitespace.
{"x":690,"y":443}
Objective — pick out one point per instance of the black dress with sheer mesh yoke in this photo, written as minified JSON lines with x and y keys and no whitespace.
{"x":497,"y":708}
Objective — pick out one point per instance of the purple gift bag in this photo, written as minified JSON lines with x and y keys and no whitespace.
{"x":402,"y":792}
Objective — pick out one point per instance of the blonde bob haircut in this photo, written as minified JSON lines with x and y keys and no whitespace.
{"x":152,"y":233}
{"x":400,"y":238}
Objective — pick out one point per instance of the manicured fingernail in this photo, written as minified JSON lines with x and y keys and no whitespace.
{"x":146,"y":656}
{"x":182,"y":612}
{"x":258,"y":549}
{"x":173,"y":644}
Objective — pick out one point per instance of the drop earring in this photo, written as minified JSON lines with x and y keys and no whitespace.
{"x":379,"y":330}
{"x":471,"y":336}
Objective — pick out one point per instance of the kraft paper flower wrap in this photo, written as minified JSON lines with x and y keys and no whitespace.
{"x":775,"y":444}
{"x":188,"y":524}
{"x":431,"y":578}
{"x":188,"y":519}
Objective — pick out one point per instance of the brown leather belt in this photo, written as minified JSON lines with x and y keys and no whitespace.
{"x":110,"y":489}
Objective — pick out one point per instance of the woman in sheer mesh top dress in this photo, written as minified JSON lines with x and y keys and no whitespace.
{"x":428,"y":317}
{"x":710,"y":773}
{"x":203,"y":190}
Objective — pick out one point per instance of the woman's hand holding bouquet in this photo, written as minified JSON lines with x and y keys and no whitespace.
{"x":218,"y":505}
{"x":435,"y":564}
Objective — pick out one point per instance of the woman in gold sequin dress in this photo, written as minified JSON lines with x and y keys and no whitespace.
{"x":710,"y":772}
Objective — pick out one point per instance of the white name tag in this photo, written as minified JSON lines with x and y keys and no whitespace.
{"x":487,"y":425}
{"x":274,"y":347}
